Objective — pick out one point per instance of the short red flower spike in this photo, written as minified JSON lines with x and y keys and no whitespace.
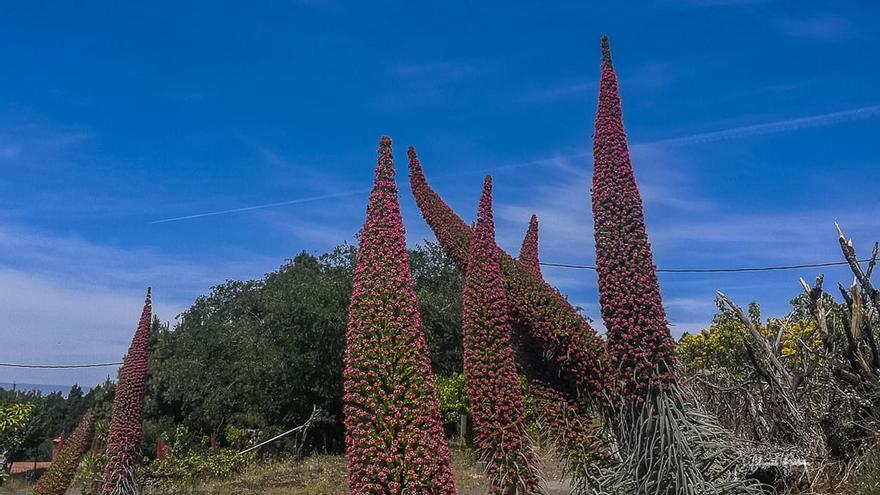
{"x":492,"y":381}
{"x":563,"y":420}
{"x":567,"y":340}
{"x":59,"y":476}
{"x":394,"y":437}
{"x":126,"y":423}
{"x":528,"y":253}
{"x":639,"y":342}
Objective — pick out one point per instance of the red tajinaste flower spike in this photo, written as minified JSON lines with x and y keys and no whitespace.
{"x":127,"y":420}
{"x":59,"y":476}
{"x":565,"y":336}
{"x":563,"y":420}
{"x":492,"y":381}
{"x":528,"y":253}
{"x":639,"y":342}
{"x":394,"y":436}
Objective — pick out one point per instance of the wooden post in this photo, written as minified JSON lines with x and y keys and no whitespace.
{"x":462,"y":427}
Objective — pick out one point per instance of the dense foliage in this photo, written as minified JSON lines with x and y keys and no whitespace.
{"x":277,"y":343}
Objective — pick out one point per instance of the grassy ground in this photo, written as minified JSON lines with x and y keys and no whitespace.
{"x":326,"y":475}
{"x":318,"y":475}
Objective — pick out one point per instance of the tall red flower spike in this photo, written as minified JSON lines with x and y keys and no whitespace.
{"x":639,"y":342}
{"x":528,"y":253}
{"x":57,"y":479}
{"x":566,"y":338}
{"x":563,"y":420}
{"x":492,"y":381}
{"x":127,"y":420}
{"x":394,"y":436}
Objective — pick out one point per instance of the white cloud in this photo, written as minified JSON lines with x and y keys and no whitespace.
{"x":67,"y":300}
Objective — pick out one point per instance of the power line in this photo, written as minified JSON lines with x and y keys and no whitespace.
{"x":548,"y":264}
{"x":718,"y":270}
{"x":58,"y":366}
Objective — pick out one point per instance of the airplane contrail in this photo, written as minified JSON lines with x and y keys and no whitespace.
{"x":262,"y":206}
{"x":861,"y":113}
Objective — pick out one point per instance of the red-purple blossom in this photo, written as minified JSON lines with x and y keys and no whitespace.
{"x":528,"y":253}
{"x":394,"y":436}
{"x":126,"y":422}
{"x":161,"y":449}
{"x":563,"y":420}
{"x":639,"y":342}
{"x":70,"y":451}
{"x":567,"y":340}
{"x":492,"y":381}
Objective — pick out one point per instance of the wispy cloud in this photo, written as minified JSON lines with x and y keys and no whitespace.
{"x":820,"y":27}
{"x":31,"y":141}
{"x":651,"y":192}
{"x":80,"y":300}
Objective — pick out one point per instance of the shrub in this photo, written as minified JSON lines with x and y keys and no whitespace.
{"x":452,"y":393}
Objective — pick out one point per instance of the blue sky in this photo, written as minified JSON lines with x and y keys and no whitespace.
{"x":753,"y":125}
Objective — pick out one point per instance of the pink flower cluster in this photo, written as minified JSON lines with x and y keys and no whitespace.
{"x":492,"y":381}
{"x":126,"y":423}
{"x":639,"y":343}
{"x":528,"y":253}
{"x":566,"y":338}
{"x":394,"y":436}
{"x":59,"y":476}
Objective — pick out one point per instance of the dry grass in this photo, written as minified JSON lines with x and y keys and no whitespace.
{"x":317,"y":475}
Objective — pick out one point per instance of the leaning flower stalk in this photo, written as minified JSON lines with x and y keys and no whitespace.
{"x":567,"y":341}
{"x":57,"y":479}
